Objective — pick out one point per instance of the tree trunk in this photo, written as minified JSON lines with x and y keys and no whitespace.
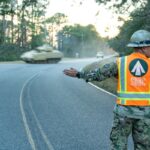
{"x":4,"y":30}
{"x":12,"y":28}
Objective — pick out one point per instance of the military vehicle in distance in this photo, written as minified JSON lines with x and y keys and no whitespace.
{"x":42,"y":54}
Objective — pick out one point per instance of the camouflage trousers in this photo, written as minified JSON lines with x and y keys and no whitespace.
{"x":123,"y":127}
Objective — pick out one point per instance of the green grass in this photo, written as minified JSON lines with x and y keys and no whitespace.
{"x":109,"y":84}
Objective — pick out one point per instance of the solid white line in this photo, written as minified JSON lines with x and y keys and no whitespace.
{"x":49,"y":145}
{"x":102,"y":89}
{"x":28,"y":132}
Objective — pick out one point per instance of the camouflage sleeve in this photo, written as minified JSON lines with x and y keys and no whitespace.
{"x":103,"y":72}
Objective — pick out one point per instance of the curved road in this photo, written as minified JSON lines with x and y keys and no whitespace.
{"x":42,"y":109}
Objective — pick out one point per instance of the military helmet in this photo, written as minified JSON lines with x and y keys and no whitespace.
{"x":140,"y":38}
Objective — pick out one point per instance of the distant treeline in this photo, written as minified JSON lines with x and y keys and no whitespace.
{"x":23,"y":26}
{"x":139,"y":18}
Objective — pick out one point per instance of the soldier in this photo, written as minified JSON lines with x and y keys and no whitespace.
{"x":132,"y":109}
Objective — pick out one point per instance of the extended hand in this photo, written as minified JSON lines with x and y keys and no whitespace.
{"x":72,"y":72}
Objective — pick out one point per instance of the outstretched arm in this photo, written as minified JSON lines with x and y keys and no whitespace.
{"x":98,"y":74}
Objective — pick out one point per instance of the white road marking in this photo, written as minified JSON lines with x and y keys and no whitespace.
{"x":27,"y":129}
{"x":49,"y":145}
{"x":26,"y":125}
{"x":102,"y":89}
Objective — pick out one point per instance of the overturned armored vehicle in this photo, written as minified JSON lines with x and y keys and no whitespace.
{"x":42,"y":54}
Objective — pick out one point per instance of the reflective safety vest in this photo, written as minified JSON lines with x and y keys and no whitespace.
{"x":134,"y":80}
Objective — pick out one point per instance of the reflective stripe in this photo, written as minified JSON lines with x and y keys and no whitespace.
{"x":119,"y":76}
{"x":122,"y":101}
{"x":135,"y":96}
{"x":134,"y":102}
{"x":129,"y":94}
{"x":133,"y":92}
{"x":125,"y":74}
{"x":122,"y":74}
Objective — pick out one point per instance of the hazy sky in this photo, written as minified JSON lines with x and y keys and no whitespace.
{"x":86,"y":12}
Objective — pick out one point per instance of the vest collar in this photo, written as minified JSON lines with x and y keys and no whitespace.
{"x":140,"y":55}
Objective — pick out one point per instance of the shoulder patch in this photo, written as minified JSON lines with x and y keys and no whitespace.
{"x":138,"y":67}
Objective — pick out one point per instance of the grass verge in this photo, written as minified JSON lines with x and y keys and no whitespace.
{"x":110,"y":84}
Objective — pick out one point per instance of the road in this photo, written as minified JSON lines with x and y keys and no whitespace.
{"x":42,"y":109}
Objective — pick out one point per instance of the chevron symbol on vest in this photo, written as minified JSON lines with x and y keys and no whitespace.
{"x":138,"y":69}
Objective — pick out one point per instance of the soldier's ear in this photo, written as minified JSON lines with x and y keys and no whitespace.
{"x":143,"y":48}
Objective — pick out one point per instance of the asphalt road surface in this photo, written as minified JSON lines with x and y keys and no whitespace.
{"x":42,"y":109}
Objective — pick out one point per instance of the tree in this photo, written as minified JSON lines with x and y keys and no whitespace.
{"x":4,"y":10}
{"x":138,"y":20}
{"x":31,"y":12}
{"x":54,"y":24}
{"x":84,"y":40}
{"x":121,"y":3}
{"x":21,"y":23}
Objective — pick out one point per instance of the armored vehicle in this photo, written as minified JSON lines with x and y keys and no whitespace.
{"x":42,"y":54}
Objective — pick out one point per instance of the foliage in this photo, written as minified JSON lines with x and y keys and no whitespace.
{"x":20,"y":26}
{"x":121,"y":3}
{"x":23,"y":25}
{"x":83,"y":40}
{"x":109,"y":84}
{"x":57,"y":18}
{"x":54,"y":24}
{"x":10,"y":52}
{"x":138,"y":20}
{"x":37,"y":40}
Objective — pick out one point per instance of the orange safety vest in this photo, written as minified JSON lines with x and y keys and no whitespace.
{"x":133,"y":80}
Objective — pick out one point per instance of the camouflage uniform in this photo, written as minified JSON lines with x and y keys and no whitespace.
{"x":123,"y":126}
{"x":127,"y":119}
